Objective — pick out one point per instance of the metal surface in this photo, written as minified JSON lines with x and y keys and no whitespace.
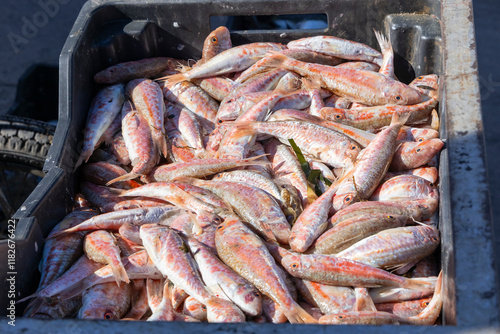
{"x":475,"y":277}
{"x":467,"y":254}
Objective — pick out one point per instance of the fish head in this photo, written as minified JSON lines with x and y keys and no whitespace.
{"x":340,"y":318}
{"x":427,"y":84}
{"x":293,"y":264}
{"x":217,"y":41}
{"x":419,"y":153}
{"x":220,"y":310}
{"x":334,"y":114}
{"x":421,"y":134}
{"x":431,"y":174}
{"x":249,"y":299}
{"x":98,"y":310}
{"x":398,"y":93}
{"x":344,"y":200}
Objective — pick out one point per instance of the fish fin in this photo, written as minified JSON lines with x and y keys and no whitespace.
{"x":120,"y":273}
{"x":276,"y":59}
{"x":27,"y":297}
{"x":383,"y":41}
{"x":399,"y":118}
{"x":429,"y":315}
{"x":297,"y":315}
{"x":268,"y":232}
{"x":405,"y":268}
{"x":309,"y":84}
{"x":253,"y":161}
{"x":416,"y":283}
{"x":125,"y":177}
{"x":173,"y":79}
{"x":244,"y":128}
{"x":363,"y":300}
{"x":75,"y":289}
{"x":84,"y":157}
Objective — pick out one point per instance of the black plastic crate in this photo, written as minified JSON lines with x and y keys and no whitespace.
{"x":109,"y":32}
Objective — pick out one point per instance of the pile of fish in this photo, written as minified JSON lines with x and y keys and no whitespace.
{"x":265,"y":183}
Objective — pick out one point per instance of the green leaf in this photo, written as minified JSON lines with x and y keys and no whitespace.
{"x":303,"y":162}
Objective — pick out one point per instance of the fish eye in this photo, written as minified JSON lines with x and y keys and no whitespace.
{"x":425,"y":303}
{"x":219,"y":121}
{"x":338,"y":116}
{"x":203,"y":307}
{"x":420,"y":139}
{"x":353,"y":147}
{"x":418,"y":150}
{"x":217,"y":220}
{"x":340,"y":317}
{"x":295,"y":265}
{"x":435,"y":239}
{"x":214,"y":40}
{"x":420,"y":77}
{"x":431,"y":185}
{"x":390,"y":217}
{"x":398,"y":97}
{"x":220,"y":227}
{"x":256,"y":294}
{"x":108,"y":315}
{"x":348,"y":199}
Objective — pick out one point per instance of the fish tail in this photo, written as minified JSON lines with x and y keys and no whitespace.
{"x":244,"y":128}
{"x":253,"y":161}
{"x":297,"y":315}
{"x":84,"y":157}
{"x":416,"y":283}
{"x":120,"y":273}
{"x":35,"y":295}
{"x":277,"y":59}
{"x":125,"y":177}
{"x":399,"y":118}
{"x":383,"y":41}
{"x":173,"y":79}
{"x":309,"y":84}
{"x":430,"y":314}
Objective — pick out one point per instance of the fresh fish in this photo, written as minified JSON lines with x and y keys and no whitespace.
{"x":147,"y":97}
{"x":223,"y":282}
{"x":418,"y":210}
{"x":254,"y":206}
{"x":195,"y":309}
{"x":331,"y":270}
{"x":105,"y":302}
{"x":354,"y":229}
{"x":229,"y":61}
{"x":191,"y":97}
{"x":319,"y":142}
{"x":139,"y":300}
{"x":216,"y":42}
{"x":196,"y":168}
{"x":405,"y":187}
{"x":245,"y":253}
{"x":411,"y":155}
{"x":105,"y":107}
{"x":170,"y":255}
{"x":362,"y":86}
{"x":338,"y":47}
{"x":370,"y":166}
{"x":144,"y":68}
{"x":102,"y":172}
{"x":394,"y":248}
{"x":101,"y":247}
{"x":329,"y":298}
